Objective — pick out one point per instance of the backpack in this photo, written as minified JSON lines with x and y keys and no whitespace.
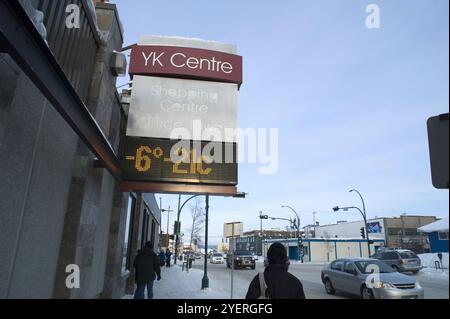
{"x":262,"y":286}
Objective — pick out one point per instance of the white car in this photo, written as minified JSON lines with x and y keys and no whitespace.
{"x":216,"y":259}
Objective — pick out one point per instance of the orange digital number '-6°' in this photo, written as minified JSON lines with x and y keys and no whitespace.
{"x":143,"y":161}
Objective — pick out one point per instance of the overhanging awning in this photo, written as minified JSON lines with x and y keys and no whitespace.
{"x":20,"y":38}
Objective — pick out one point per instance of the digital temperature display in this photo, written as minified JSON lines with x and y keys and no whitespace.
{"x":193,"y":162}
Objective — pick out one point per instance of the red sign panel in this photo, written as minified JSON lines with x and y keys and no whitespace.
{"x":188,"y":63}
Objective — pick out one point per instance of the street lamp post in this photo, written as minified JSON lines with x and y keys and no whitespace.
{"x":363,"y":213}
{"x":298,"y":230}
{"x":279,"y":218}
{"x":261,"y":217}
{"x":365,"y":216}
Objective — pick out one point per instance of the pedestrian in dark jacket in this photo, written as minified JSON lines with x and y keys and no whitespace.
{"x":280,"y":284}
{"x":168,"y":255}
{"x":162,"y":258}
{"x":147,"y":268}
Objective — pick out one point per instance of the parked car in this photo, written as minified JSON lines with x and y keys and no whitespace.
{"x":242,"y":259}
{"x":351,"y":276}
{"x":216,"y":258}
{"x":401,"y":260}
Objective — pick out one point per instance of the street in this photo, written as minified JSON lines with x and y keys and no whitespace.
{"x":309,"y":275}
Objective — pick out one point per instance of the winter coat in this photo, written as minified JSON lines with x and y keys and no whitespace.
{"x":147,"y":265}
{"x":280,"y":284}
{"x":162,"y":256}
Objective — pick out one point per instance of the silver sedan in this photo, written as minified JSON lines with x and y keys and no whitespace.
{"x":369,"y":278}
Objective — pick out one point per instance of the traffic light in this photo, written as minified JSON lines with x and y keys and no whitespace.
{"x":363,"y":233}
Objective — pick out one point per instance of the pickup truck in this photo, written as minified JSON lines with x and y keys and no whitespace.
{"x":242,"y":259}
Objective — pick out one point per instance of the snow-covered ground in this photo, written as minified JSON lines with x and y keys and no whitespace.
{"x":177,"y":284}
{"x":428,"y":260}
{"x":429,"y":271}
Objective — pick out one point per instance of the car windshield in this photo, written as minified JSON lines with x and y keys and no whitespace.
{"x":217,"y":255}
{"x":369,"y":266}
{"x":408,"y":254}
{"x":242,"y":253}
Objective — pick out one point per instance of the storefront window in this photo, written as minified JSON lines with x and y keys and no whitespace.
{"x":443,"y":235}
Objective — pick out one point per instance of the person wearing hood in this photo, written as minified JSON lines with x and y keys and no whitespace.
{"x":147,"y":268}
{"x":276,"y":282}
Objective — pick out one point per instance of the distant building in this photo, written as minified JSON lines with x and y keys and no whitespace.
{"x":437,"y":235}
{"x":397,"y":232}
{"x":223,"y":246}
{"x":325,"y":249}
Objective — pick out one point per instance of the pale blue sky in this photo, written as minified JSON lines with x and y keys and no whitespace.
{"x":350,"y":103}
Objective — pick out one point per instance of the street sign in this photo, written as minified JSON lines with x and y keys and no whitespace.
{"x":235,"y":229}
{"x":161,"y":105}
{"x":438,"y":131}
{"x":182,"y":117}
{"x":183,"y":62}
{"x":263,"y":216}
{"x":150,"y":159}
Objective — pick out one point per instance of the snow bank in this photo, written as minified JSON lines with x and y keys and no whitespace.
{"x":433,"y":273}
{"x":429,"y":259}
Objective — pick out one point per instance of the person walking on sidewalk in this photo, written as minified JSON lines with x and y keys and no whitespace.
{"x":147,"y":268}
{"x":168,"y":255}
{"x":276,"y":282}
{"x":162,"y":258}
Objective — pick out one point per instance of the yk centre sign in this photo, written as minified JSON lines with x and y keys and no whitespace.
{"x":183,"y":112}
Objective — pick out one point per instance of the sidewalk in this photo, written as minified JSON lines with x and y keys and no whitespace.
{"x":177,"y":284}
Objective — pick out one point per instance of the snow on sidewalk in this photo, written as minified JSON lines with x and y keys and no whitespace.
{"x":177,"y":284}
{"x":434,"y":273}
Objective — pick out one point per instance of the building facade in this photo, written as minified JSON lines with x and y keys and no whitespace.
{"x":397,"y":232}
{"x":437,"y":233}
{"x":59,"y":205}
{"x":325,"y":250}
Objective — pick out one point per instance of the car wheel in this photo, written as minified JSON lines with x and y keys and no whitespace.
{"x":395,"y":268}
{"x":415,"y":272}
{"x":253,"y":267}
{"x":366,"y":293}
{"x":329,"y":287}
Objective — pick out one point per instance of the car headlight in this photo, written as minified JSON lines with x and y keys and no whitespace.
{"x":383,"y":285}
{"x":237,"y":258}
{"x":418,"y":285}
{"x":253,"y":258}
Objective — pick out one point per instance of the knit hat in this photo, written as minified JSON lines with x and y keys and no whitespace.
{"x":277,"y":254}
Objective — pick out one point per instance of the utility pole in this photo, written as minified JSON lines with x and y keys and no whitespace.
{"x":314,"y":224}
